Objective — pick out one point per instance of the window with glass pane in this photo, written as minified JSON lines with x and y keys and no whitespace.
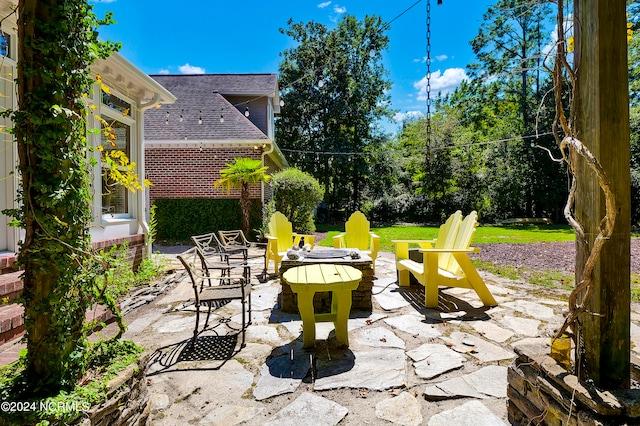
{"x":5,"y":44}
{"x":122,"y":141}
{"x":115,"y":198}
{"x":114,"y":102}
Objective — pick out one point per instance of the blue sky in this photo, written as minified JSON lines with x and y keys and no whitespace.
{"x":223,"y":36}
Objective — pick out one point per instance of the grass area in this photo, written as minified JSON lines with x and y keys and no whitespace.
{"x":549,"y":278}
{"x":635,"y":287}
{"x":484,"y":234}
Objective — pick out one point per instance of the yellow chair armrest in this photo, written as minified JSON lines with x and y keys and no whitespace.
{"x":451,"y":250}
{"x":308,"y":239}
{"x":375,"y":245}
{"x":338,"y":241}
{"x":402,"y":246}
{"x":414,"y":241}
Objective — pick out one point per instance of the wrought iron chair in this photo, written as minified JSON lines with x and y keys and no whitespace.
{"x":235,"y":240}
{"x":211,"y":247}
{"x":232,"y":286}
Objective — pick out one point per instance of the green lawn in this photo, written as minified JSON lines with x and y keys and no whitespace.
{"x":484,"y":234}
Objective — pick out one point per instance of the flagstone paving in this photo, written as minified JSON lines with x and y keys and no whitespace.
{"x":405,"y":365}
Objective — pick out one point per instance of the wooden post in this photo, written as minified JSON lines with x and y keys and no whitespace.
{"x":602,"y":124}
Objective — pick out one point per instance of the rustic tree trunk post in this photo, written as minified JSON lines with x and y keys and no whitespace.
{"x":602,"y":124}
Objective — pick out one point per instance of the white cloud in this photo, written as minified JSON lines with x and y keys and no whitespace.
{"x":163,"y":71}
{"x":337,"y":12}
{"x":441,"y":82}
{"x":399,"y":117}
{"x":439,"y":58}
{"x":323,"y":5}
{"x":190,"y":69}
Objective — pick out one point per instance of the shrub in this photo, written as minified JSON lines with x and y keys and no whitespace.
{"x":179,"y":219}
{"x":296,"y":194}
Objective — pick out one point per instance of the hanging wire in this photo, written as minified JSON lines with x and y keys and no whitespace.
{"x":428,"y":127}
{"x":440,"y":148}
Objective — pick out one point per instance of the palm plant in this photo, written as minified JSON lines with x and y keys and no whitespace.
{"x":239,"y":174}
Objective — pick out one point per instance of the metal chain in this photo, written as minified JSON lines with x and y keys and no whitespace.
{"x":428,"y":131}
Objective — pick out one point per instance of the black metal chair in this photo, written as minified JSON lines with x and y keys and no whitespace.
{"x":232,"y":286}
{"x":234,"y":240}
{"x":210,"y":246}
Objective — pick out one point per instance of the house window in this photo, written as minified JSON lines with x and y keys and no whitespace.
{"x":5,"y":44}
{"x":112,"y":101}
{"x":8,"y":159}
{"x":115,"y":198}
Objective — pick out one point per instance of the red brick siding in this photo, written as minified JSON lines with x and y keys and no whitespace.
{"x":6,"y":263}
{"x":136,"y":249}
{"x":11,"y":285}
{"x":135,"y":255}
{"x":190,"y":173}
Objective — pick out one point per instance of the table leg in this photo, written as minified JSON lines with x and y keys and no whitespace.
{"x":341,"y":307}
{"x":305,"y":306}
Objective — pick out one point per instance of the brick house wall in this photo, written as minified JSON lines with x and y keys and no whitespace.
{"x":136,"y":250}
{"x":190,"y":172}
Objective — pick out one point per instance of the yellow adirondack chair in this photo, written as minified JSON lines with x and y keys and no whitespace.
{"x":447,"y":266}
{"x":357,"y":235}
{"x":445,"y":239}
{"x":281,"y":238}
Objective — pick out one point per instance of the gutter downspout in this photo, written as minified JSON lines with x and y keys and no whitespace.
{"x":144,"y":201}
{"x":264,"y":153}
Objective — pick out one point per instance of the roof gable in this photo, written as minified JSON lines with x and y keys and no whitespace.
{"x":199,"y":97}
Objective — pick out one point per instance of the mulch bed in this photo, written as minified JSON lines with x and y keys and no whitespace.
{"x":558,"y":256}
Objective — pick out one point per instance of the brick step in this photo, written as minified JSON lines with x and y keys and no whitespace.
{"x":11,"y":286}
{"x":12,"y":321}
{"x":6,"y":262}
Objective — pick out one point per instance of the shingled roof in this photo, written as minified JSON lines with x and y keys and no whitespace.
{"x":201,"y":96}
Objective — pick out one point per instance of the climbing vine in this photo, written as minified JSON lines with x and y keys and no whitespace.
{"x":572,"y":149}
{"x":57,"y":43}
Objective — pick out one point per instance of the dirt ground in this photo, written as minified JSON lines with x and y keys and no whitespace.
{"x":559,"y":256}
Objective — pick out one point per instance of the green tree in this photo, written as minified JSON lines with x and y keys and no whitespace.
{"x":240,"y":174}
{"x":334,"y":89}
{"x":509,"y":47}
{"x":296,"y":195}
{"x":57,"y":42}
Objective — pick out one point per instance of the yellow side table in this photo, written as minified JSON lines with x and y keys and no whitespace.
{"x":341,"y":280}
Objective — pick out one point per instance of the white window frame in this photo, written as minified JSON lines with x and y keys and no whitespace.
{"x":9,"y":182}
{"x":110,"y":114}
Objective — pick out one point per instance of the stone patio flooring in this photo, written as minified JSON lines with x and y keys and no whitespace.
{"x":406,"y":365}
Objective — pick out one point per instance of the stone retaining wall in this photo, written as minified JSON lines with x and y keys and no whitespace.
{"x":128,"y":403}
{"x":360,"y":297}
{"x":542,"y":392}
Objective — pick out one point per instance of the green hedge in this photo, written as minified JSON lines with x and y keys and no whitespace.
{"x":179,"y":219}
